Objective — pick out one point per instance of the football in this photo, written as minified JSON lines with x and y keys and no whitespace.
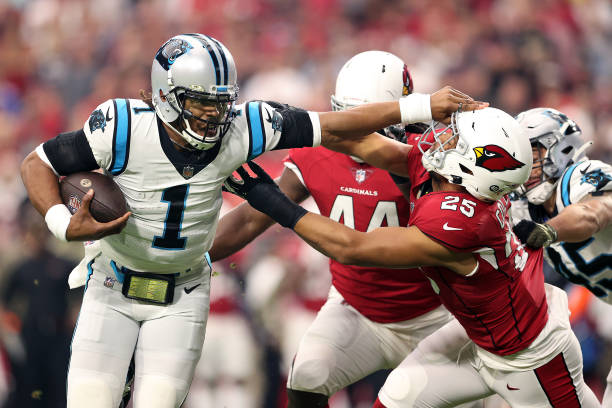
{"x":108,"y":202}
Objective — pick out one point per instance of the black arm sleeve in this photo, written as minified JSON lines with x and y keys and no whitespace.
{"x":297,"y":127}
{"x":70,"y":153}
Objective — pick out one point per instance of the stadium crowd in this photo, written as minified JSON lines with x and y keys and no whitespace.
{"x":62,"y":57}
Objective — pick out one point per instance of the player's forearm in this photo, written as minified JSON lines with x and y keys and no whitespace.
{"x":329,"y":237}
{"x":376,"y":150}
{"x":359,"y":121}
{"x":580,"y":221}
{"x":387,"y":154}
{"x":362,"y":120}
{"x":40,"y":182}
{"x":236,"y":229}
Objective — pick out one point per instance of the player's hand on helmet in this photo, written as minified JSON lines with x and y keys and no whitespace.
{"x":263,"y":194}
{"x":535,"y":235}
{"x":84,"y":227}
{"x":448,"y":100}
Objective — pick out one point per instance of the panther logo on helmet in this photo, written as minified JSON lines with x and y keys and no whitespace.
{"x":170,"y":51}
{"x":495,"y":158}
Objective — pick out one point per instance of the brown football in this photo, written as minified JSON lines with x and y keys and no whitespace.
{"x":108,"y":202}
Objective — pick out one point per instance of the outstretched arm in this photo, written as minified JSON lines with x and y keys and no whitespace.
{"x":391,"y":247}
{"x":384,"y":247}
{"x":352,"y":131}
{"x":243,"y":224}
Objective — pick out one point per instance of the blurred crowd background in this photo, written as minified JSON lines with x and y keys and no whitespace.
{"x":61,"y":58}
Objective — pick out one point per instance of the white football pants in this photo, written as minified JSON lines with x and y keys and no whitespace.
{"x":342,"y":346}
{"x":446,"y":370}
{"x":166,"y":341}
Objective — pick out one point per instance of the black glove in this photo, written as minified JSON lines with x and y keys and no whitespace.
{"x":263,"y":194}
{"x":535,"y":235}
{"x":398,"y":133}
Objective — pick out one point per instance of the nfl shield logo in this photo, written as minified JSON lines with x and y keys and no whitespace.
{"x":188,"y":171}
{"x":361,"y":174}
{"x":74,"y":203}
{"x":109,"y":282}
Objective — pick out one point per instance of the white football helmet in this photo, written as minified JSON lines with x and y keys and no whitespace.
{"x":201,"y":68}
{"x":371,"y":76}
{"x":486,"y":151}
{"x":561,"y":137}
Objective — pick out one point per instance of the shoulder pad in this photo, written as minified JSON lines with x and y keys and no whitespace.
{"x":582,"y":179}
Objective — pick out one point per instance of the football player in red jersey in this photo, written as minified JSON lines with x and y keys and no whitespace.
{"x":512,"y":329}
{"x":373,"y":317}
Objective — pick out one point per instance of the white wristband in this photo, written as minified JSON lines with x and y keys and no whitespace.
{"x":415,"y":107}
{"x":57,"y":219}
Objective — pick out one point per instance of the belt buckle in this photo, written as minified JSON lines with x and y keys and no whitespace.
{"x":149,"y":287}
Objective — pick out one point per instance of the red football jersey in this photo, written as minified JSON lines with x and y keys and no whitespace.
{"x":502,"y":305}
{"x":364,"y":198}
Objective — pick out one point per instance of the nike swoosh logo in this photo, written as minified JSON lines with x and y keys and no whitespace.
{"x":447,"y":228}
{"x":189,"y":290}
{"x":269,"y":118}
{"x":511,"y":388}
{"x":585,"y":169}
{"x":108,"y":117}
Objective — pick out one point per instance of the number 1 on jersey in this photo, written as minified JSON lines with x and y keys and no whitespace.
{"x":171,"y":239}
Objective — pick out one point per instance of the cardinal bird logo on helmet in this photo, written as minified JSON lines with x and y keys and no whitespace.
{"x":495,"y":158}
{"x":407,"y":79}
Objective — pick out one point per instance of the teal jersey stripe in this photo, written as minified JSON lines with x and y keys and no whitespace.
{"x":565,"y":185}
{"x":208,"y":259}
{"x":122,"y":137}
{"x":89,"y":272}
{"x":257,"y":138}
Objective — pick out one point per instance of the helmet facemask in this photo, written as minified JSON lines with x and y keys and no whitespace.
{"x":541,"y":184}
{"x":434,"y":152}
{"x":191,"y":105}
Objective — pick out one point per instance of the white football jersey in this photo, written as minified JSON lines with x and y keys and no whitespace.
{"x":174,"y":196}
{"x":587,"y":263}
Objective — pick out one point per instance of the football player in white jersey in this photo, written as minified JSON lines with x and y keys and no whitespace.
{"x":147,"y":290}
{"x":566,"y":205}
